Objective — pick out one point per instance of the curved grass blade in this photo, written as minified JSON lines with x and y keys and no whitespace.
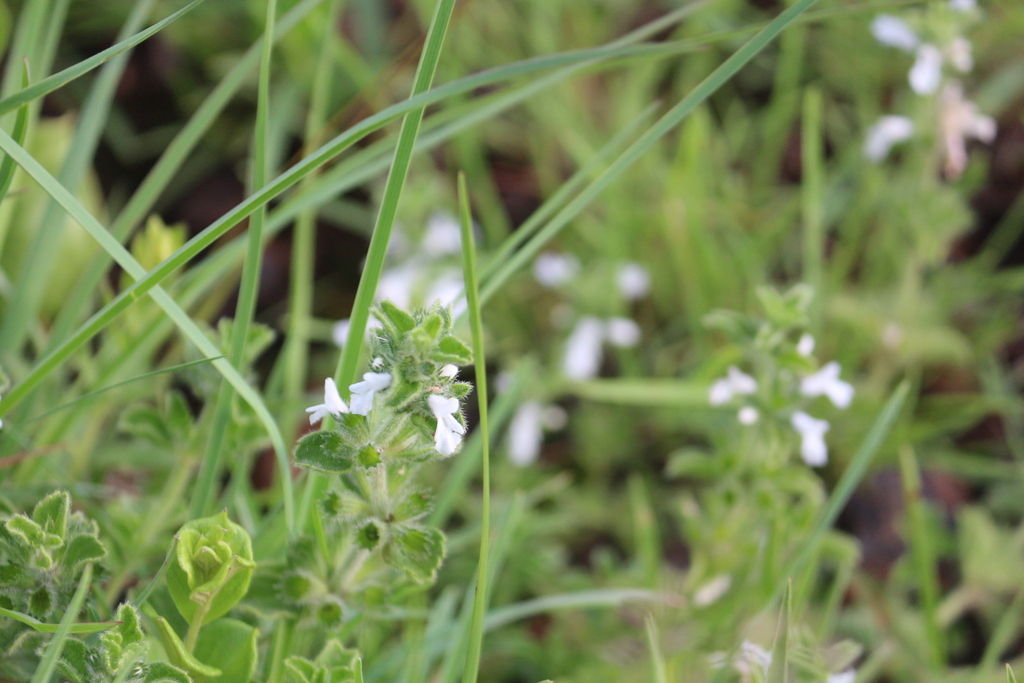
{"x":471,"y":670}
{"x":8,"y":167}
{"x":37,"y":625}
{"x":164,"y":300}
{"x":57,"y":80}
{"x":51,"y":654}
{"x":608,"y":597}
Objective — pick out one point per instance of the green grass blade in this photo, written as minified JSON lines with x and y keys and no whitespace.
{"x":26,"y":38}
{"x":1010,"y":678}
{"x":37,"y":625}
{"x":657,"y":660}
{"x":39,"y":261}
{"x":57,"y":80}
{"x":8,"y":167}
{"x":778,"y":671}
{"x":844,"y":489}
{"x":812,"y":197}
{"x":606,"y":597}
{"x":48,"y":663}
{"x":667,"y":122}
{"x":471,"y":670}
{"x":173,"y":310}
{"x":155,"y":581}
{"x":203,"y":493}
{"x":348,"y":363}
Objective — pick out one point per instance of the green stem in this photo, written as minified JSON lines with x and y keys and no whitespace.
{"x":196,"y":625}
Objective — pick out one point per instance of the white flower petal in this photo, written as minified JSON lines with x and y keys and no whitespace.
{"x":926,"y":74}
{"x":894,"y":32}
{"x":332,"y":405}
{"x":805,"y":346}
{"x":748,"y":415}
{"x":443,"y":235}
{"x":363,"y":392}
{"x":634,"y":281}
{"x":847,"y":676}
{"x":623,"y":332}
{"x":888,"y":131}
{"x":963,"y":5}
{"x":553,"y":270}
{"x":741,"y":382}
{"x":720,"y":393}
{"x":583,"y":349}
{"x":826,"y":382}
{"x":449,"y":371}
{"x":753,"y":653}
{"x":959,"y":53}
{"x":397,"y":284}
{"x":526,"y":434}
{"x":449,"y":431}
{"x":812,"y":438}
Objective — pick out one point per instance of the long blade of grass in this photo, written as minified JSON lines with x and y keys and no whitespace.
{"x":57,"y":80}
{"x":203,"y":493}
{"x":39,"y":261}
{"x":844,"y":489}
{"x":660,"y":674}
{"x":8,"y":167}
{"x":606,"y":597}
{"x":48,"y":663}
{"x":667,"y":122}
{"x":778,"y":670}
{"x":471,"y":670}
{"x":348,"y":363}
{"x":169,"y":163}
{"x":164,"y":300}
{"x":37,"y":625}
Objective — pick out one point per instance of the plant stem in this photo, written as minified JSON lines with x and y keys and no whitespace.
{"x":196,"y":625}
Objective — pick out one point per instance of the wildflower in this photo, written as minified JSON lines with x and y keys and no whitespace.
{"x":959,"y":54}
{"x":753,"y":654}
{"x":805,"y":347}
{"x":622,"y":332}
{"x":397,"y":284}
{"x":826,"y":382}
{"x":377,"y":363}
{"x":449,"y":371}
{"x":526,"y":433}
{"x":888,"y":131}
{"x":634,"y":281}
{"x":443,"y":235}
{"x":583,"y":349}
{"x":552,"y":270}
{"x":960,"y":120}
{"x":847,"y":676}
{"x":363,"y":392}
{"x":894,"y":32}
{"x":449,"y":431}
{"x":748,"y":415}
{"x":332,"y":404}
{"x":712,"y":590}
{"x":812,"y":438}
{"x":735,"y":382}
{"x":926,"y":74}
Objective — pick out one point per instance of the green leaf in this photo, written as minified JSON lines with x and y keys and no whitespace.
{"x":53,"y":651}
{"x":418,"y":552}
{"x":117,"y":643}
{"x":147,"y":424}
{"x":52,"y":512}
{"x":452,"y":350}
{"x":37,"y":625}
{"x":368,"y":536}
{"x":229,"y":645}
{"x":75,"y":662}
{"x":394,"y":317}
{"x":778,"y":671}
{"x":159,"y":672}
{"x":324,"y":451}
{"x":182,"y":658}
{"x":1010,"y":678}
{"x":84,"y":548}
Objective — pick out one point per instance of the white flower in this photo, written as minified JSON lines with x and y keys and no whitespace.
{"x":363,"y":392}
{"x":712,"y":590}
{"x":634,"y":281}
{"x":805,"y":346}
{"x":963,"y":5}
{"x":397,"y":284}
{"x":894,"y":32}
{"x":826,"y":382}
{"x":332,"y":404}
{"x":622,"y":332}
{"x":339,"y":333}
{"x":926,"y":74}
{"x":449,"y":431}
{"x":748,"y":415}
{"x":377,"y":363}
{"x":888,"y":131}
{"x":449,"y":371}
{"x":847,"y":676}
{"x":812,"y":438}
{"x":959,"y":54}
{"x":736,"y":382}
{"x":443,"y":235}
{"x":583,"y":349}
{"x":959,"y":121}
{"x":552,"y":270}
{"x":753,"y":654}
{"x":526,"y":433}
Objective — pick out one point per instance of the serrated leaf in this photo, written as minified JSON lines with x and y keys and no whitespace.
{"x":77,"y":662}
{"x":159,"y":672}
{"x":460,"y":390}
{"x":413,"y":506}
{"x":119,"y":641}
{"x":180,"y":657}
{"x":229,"y":645}
{"x":51,"y":513}
{"x":452,"y":350}
{"x":394,"y":317}
{"x":418,"y":552}
{"x":324,"y":451}
{"x":83,"y":548}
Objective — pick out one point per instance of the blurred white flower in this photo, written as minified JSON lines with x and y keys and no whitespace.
{"x":926,"y":74}
{"x":449,"y":431}
{"x":736,"y":382}
{"x":826,"y":382}
{"x":847,"y":676}
{"x":552,"y":270}
{"x":894,"y":32}
{"x":363,"y":392}
{"x":339,"y":333}
{"x":959,"y":54}
{"x":377,"y":363}
{"x":622,"y":332}
{"x":960,"y":121}
{"x":443,"y":235}
{"x":526,"y":434}
{"x":332,"y":405}
{"x":583,"y":349}
{"x":449,"y":371}
{"x":398,"y":283}
{"x":712,"y":590}
{"x":748,"y":415}
{"x":963,"y":5}
{"x":805,"y":346}
{"x":752,"y":654}
{"x":634,"y":281}
{"x":888,"y":131}
{"x":812,"y":438}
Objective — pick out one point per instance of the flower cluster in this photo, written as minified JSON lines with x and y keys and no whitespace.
{"x":940,"y":57}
